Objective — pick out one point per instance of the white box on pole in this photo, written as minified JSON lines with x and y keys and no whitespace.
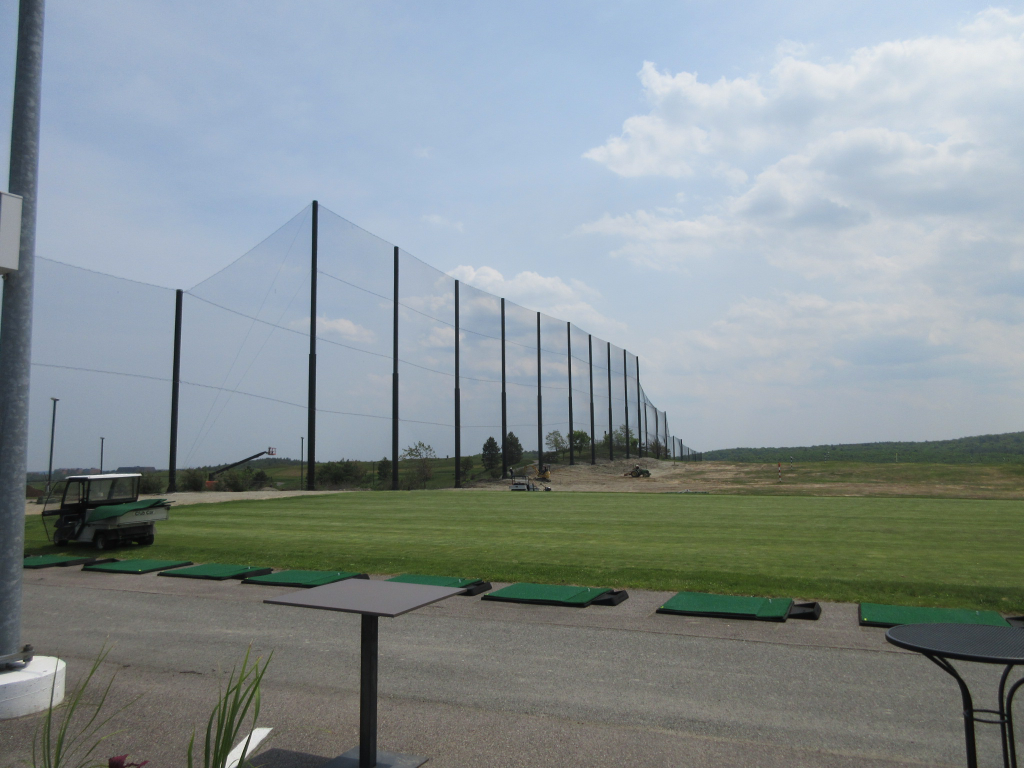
{"x":10,"y":232}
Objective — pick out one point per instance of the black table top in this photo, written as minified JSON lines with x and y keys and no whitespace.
{"x":969,"y":642}
{"x":373,"y":598}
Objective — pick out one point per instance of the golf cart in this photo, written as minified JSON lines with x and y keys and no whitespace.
{"x":522,"y":482}
{"x":102,"y":510}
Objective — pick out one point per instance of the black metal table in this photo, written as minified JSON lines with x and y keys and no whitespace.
{"x":370,"y":599}
{"x":971,"y":642}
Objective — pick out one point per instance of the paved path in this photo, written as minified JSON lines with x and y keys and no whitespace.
{"x":480,"y":684}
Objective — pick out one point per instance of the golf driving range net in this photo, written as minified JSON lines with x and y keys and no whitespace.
{"x":105,"y":345}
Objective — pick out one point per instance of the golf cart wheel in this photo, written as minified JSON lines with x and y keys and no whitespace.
{"x":101,"y":541}
{"x":59,"y":542}
{"x":147,"y":540}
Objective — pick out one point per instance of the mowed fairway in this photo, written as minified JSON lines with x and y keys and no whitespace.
{"x":947,"y":552}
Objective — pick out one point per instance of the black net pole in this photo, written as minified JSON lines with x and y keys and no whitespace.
{"x":611,"y":425}
{"x":568,"y":359}
{"x":640,"y":447}
{"x":540,"y":409}
{"x":590,"y":358}
{"x":625,"y":392}
{"x":458,"y":403}
{"x":394,"y":385}
{"x":504,"y":409}
{"x":311,"y":400}
{"x":172,"y":460}
{"x":642,"y":425}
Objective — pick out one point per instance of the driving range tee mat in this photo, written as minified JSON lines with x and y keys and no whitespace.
{"x":553,"y":594}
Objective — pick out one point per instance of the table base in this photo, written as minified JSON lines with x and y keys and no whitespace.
{"x":384,"y":760}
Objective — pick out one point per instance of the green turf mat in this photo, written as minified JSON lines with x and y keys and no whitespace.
{"x":218,"y":571}
{"x":137,"y":566}
{"x":728,"y":606}
{"x":876,"y":615}
{"x":547,"y":594}
{"x":116,"y":510}
{"x":435,"y":581}
{"x":46,"y":561}
{"x":302,"y":578}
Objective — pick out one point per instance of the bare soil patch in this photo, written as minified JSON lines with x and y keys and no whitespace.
{"x":812,"y":479}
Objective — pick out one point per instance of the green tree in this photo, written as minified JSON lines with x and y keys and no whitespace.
{"x":580,"y":441}
{"x":491,"y":455}
{"x":621,"y":436}
{"x":422,"y":456}
{"x":556,"y":443}
{"x":467,"y":466}
{"x":194,"y":481}
{"x":513,"y":449}
{"x":337,"y":473}
{"x":384,"y":471}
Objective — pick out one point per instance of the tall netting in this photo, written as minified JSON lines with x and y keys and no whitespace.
{"x":521,"y":377}
{"x":580,"y":391}
{"x":426,"y":353}
{"x":480,"y":367}
{"x":355,"y":319}
{"x":555,"y":384}
{"x":244,"y":348}
{"x":601,"y":424}
{"x":103,"y":346}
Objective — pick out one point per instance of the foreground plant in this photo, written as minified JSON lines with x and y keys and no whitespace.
{"x":72,"y":743}
{"x":240,"y":696}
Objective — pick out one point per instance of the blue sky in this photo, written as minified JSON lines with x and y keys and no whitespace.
{"x":802,"y":216}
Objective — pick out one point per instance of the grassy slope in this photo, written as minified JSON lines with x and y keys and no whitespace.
{"x":963,"y":450}
{"x":950,"y":552}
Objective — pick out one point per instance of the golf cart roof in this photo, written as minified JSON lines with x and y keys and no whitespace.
{"x":101,"y":477}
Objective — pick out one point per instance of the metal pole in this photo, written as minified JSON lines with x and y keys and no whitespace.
{"x":640,"y":449}
{"x":16,"y":322}
{"x":568,"y":346}
{"x":540,"y":410}
{"x":611,"y":433}
{"x":590,"y":357}
{"x":394,"y":385}
{"x":458,"y":396}
{"x":311,"y":402}
{"x":101,"y":454}
{"x":172,"y":461}
{"x":53,"y":428}
{"x":504,"y":413}
{"x":302,"y":454}
{"x":368,"y":642}
{"x":625,"y":390}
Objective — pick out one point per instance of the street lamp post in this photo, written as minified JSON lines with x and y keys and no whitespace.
{"x":101,"y":454}
{"x":53,"y":427}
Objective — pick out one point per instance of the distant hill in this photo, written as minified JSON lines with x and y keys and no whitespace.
{"x":983,"y":449}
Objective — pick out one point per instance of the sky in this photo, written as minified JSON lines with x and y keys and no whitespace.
{"x":803,"y":217}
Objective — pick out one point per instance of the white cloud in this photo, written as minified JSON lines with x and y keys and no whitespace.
{"x":441,"y":222}
{"x":344,"y":328}
{"x":877,"y":196}
{"x":550,"y":295}
{"x":899,"y":141}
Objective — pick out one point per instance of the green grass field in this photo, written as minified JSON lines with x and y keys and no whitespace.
{"x":934,"y":552}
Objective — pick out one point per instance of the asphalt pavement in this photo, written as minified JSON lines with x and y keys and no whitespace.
{"x":477,"y":684}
